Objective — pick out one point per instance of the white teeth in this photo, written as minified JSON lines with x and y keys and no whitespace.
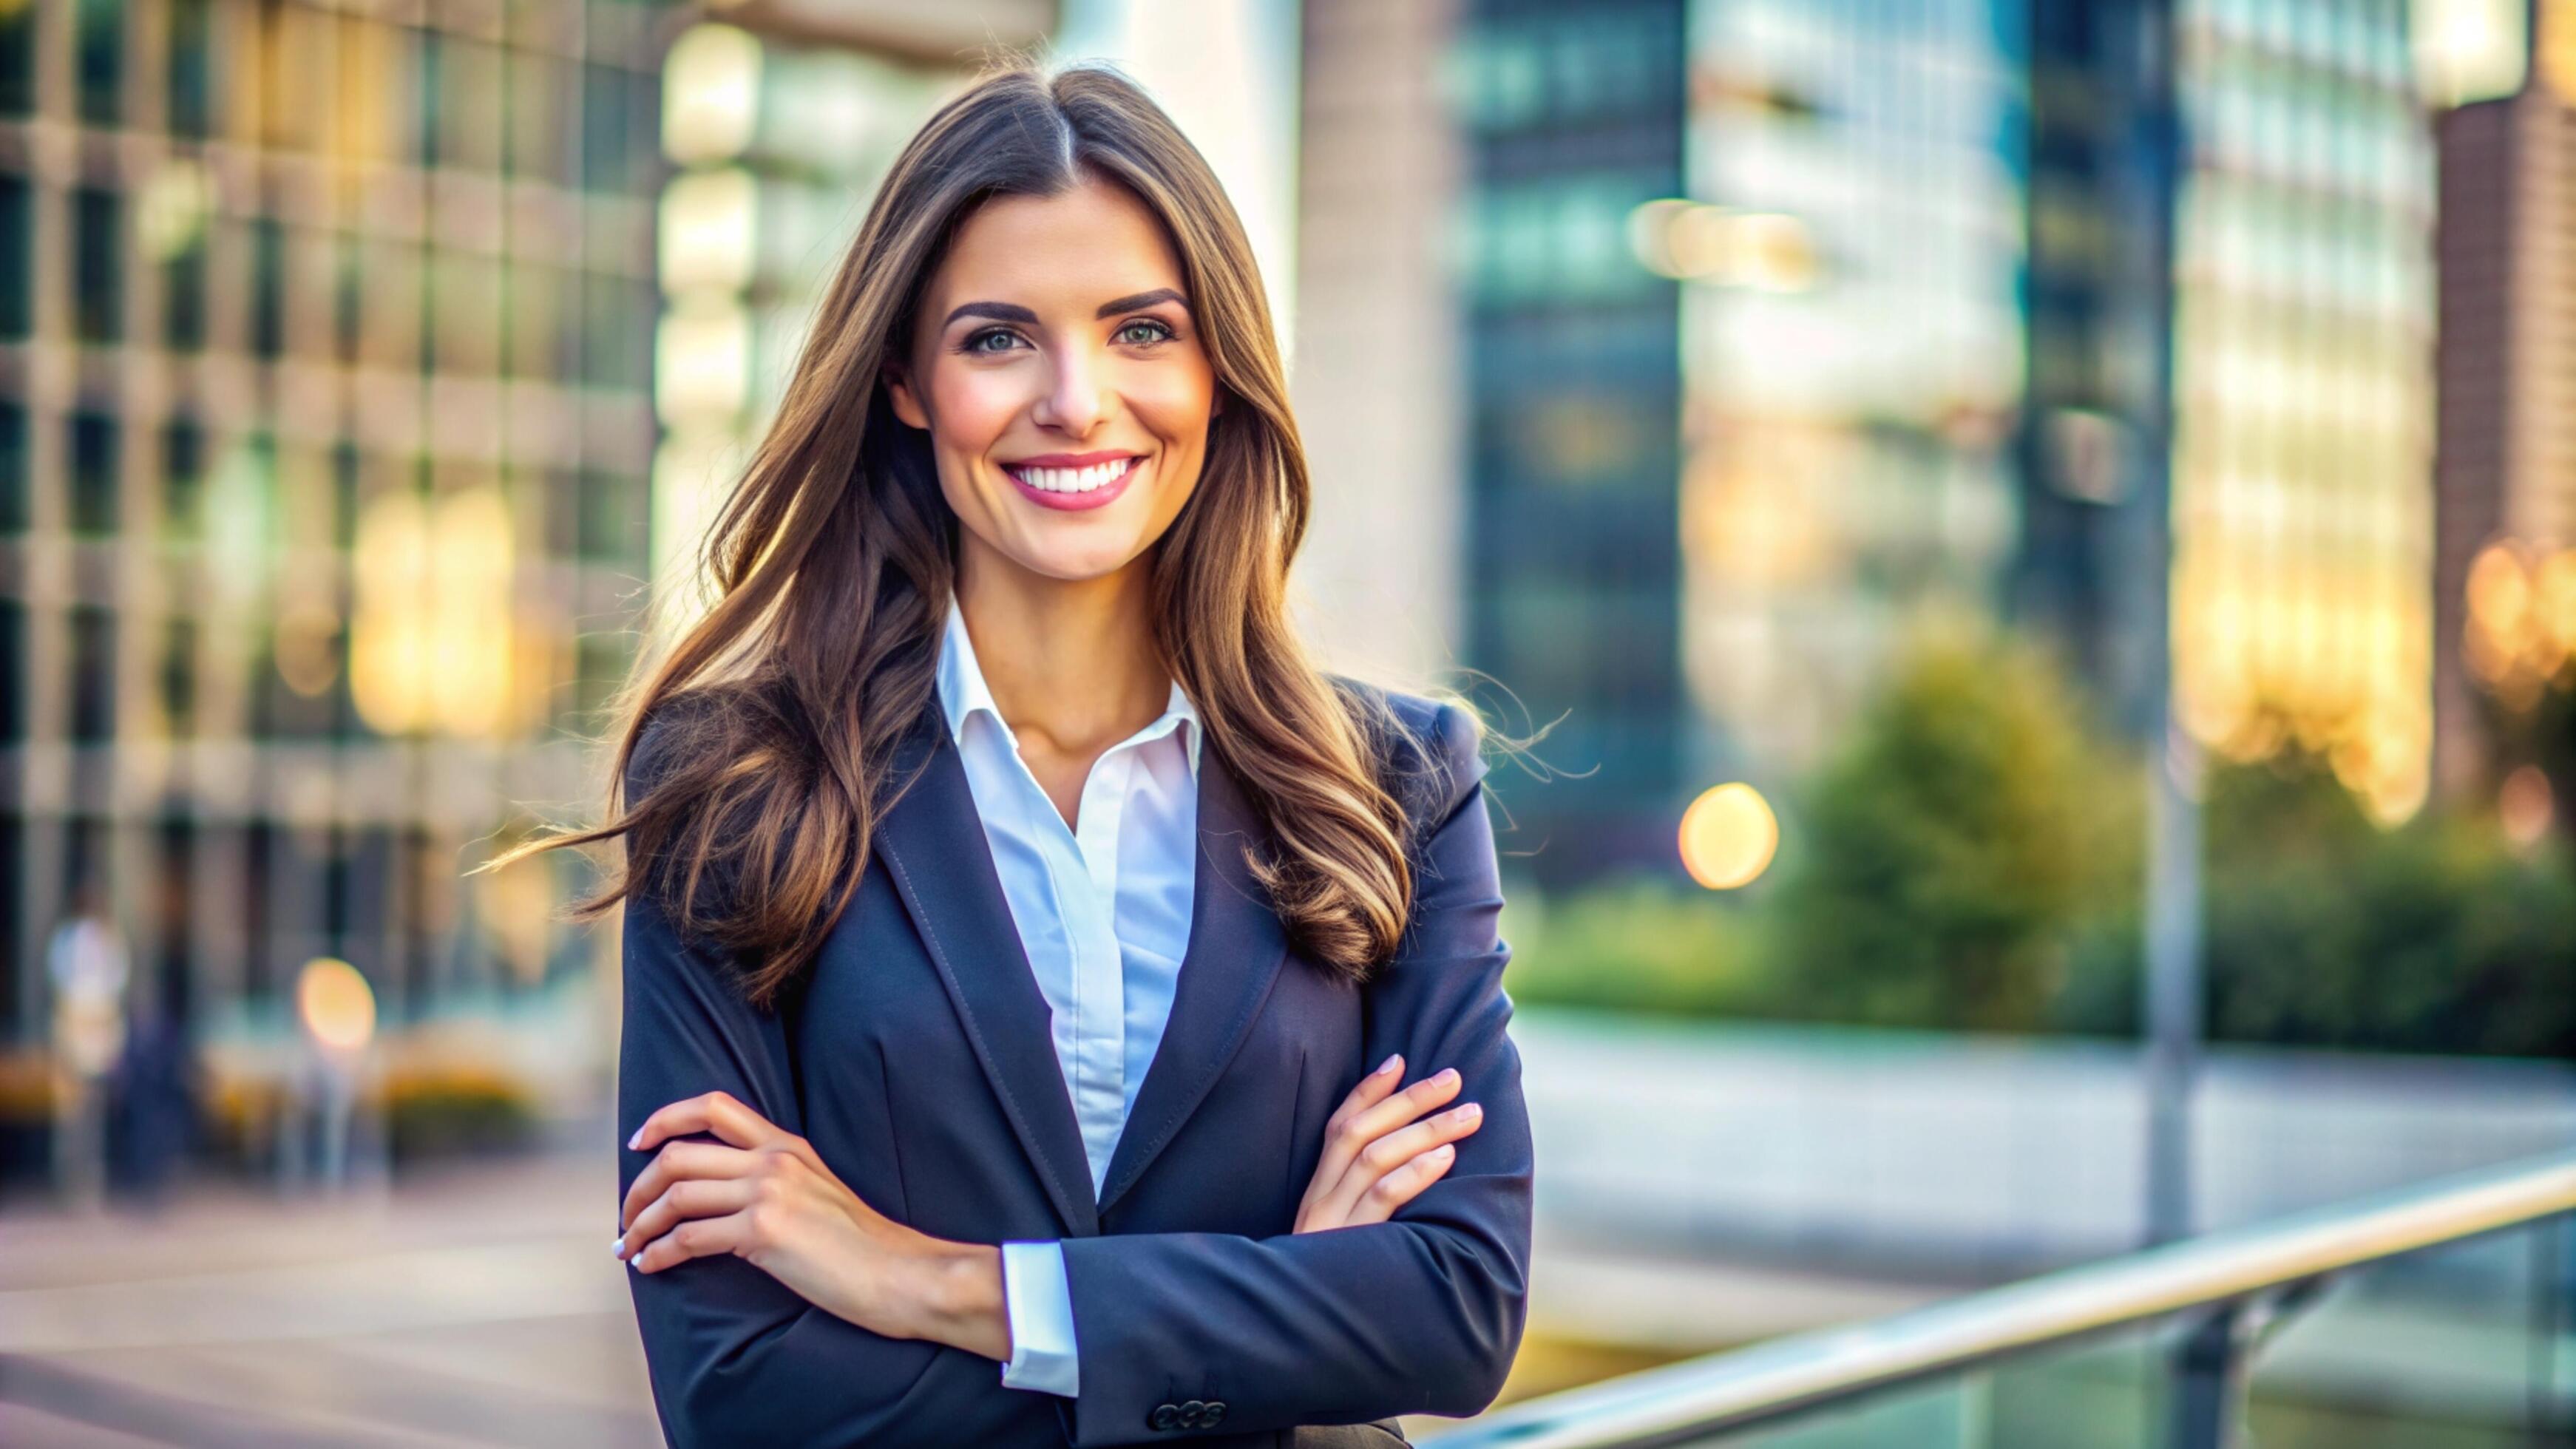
{"x":1073,"y":480}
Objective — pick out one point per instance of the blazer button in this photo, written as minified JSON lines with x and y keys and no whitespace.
{"x":1211,"y":1412}
{"x":1190,"y":1412}
{"x":1165,"y":1416}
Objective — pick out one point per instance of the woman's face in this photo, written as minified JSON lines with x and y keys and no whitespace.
{"x":1057,"y":368}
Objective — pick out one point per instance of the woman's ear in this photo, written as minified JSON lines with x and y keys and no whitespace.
{"x":907,"y":406}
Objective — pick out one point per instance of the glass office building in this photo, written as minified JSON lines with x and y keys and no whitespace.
{"x":777,"y":143}
{"x":325,"y":425}
{"x":1852,"y":349}
{"x":2303,"y":351}
{"x":1571,"y":118}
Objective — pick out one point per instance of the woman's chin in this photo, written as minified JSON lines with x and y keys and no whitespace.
{"x":1075,"y":561}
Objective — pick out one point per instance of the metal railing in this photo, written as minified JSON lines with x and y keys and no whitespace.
{"x":2232,"y":1283}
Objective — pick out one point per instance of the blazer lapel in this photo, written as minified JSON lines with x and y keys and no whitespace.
{"x":1236,"y":945}
{"x":934,"y":847}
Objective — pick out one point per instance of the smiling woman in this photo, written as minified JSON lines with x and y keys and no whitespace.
{"x":1056,"y":1012}
{"x":1017,"y":348}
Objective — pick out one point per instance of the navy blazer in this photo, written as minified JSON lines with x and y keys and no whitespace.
{"x":916,"y":1057}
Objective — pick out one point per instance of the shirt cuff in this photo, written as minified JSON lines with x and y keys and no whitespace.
{"x":1038,"y":1299}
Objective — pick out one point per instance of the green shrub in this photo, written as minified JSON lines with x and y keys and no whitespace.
{"x":1953,"y":846}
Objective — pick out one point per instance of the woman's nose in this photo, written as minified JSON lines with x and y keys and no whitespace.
{"x":1073,"y":402}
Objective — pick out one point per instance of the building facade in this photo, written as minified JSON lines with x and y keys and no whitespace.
{"x":1852,"y":348}
{"x":1571,"y":118}
{"x":325,"y":424}
{"x":2302,"y":353}
{"x":2505,"y":434}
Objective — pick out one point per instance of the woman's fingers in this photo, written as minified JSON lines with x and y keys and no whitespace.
{"x":694,"y":1238}
{"x":675,"y":1162}
{"x":1346,"y":1137}
{"x":1372,"y":1089}
{"x":718,"y":1112}
{"x":689,"y":1198}
{"x":1391,"y":1152}
{"x":1432,"y":1091}
{"x":1402,"y":1185}
{"x":1397,"y":1148}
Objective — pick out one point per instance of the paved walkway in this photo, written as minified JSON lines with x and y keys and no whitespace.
{"x":479,"y":1305}
{"x":476,"y":1306}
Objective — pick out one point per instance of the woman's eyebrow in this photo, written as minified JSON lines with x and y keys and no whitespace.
{"x":1013,"y":312}
{"x":998,"y":311}
{"x":1141,"y":299}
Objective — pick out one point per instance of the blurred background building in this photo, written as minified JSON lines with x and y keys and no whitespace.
{"x":327,"y":421}
{"x":2302,"y":377}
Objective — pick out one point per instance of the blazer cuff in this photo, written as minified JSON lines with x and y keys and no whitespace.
{"x":1038,"y":1299}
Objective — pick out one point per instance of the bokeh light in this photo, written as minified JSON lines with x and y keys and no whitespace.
{"x":335,"y":1004}
{"x":2526,"y":806}
{"x":1728,"y":836}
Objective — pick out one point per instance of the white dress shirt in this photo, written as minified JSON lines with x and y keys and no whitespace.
{"x":1103,"y":909}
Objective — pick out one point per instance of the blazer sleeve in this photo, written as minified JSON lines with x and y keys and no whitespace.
{"x":1419,"y":1314}
{"x":734,"y":1355}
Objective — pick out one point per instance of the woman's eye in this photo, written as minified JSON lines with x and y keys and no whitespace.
{"x":1153,"y":332}
{"x":977,"y":342}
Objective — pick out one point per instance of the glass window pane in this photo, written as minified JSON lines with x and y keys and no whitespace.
{"x":97,"y":290}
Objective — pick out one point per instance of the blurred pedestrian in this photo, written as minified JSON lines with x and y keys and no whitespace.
{"x":87,"y":963}
{"x":155,"y":1102}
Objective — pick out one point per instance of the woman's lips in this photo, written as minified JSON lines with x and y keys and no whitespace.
{"x":1099,"y":496}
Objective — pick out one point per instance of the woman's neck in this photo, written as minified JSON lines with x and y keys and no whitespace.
{"x":1071,"y":664}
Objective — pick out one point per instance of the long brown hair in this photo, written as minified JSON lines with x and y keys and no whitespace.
{"x":832,"y":565}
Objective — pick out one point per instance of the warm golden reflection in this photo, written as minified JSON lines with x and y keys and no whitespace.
{"x":1693,"y":241}
{"x":307,"y":657}
{"x":335,"y":1004}
{"x":431,"y":634}
{"x":2521,"y":625}
{"x":1728,"y":836}
{"x":2526,"y":806}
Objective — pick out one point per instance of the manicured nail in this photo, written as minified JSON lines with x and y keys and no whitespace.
{"x":1444,"y":1152}
{"x":636,"y":1137}
{"x":1447,"y":1074}
{"x":617,"y":1246}
{"x":1388,"y":1065}
{"x":1468,"y":1112}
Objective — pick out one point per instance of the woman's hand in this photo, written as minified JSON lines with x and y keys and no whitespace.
{"x":1373,"y":1161}
{"x":768,"y":1199}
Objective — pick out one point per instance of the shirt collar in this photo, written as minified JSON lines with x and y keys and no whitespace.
{"x":962,"y":691}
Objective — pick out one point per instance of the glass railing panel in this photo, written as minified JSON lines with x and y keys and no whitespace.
{"x":1944,"y":1413}
{"x":2464,"y":1346}
{"x":2105,"y":1393}
{"x":2100,"y":1393}
{"x":2326,"y":1330}
{"x":2471,"y":1345}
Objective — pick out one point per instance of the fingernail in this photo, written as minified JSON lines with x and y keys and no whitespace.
{"x":618,"y":1246}
{"x":1466,"y":1113}
{"x":1388,"y":1065}
{"x":1448,"y":1074}
{"x":1444,"y":1152}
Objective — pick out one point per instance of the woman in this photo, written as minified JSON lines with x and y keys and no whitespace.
{"x":1027,"y":951}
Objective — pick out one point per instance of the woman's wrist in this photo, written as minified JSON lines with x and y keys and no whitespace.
{"x":956,"y":1293}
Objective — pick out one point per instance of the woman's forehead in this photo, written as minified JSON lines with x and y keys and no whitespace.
{"x":1072,"y":251}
